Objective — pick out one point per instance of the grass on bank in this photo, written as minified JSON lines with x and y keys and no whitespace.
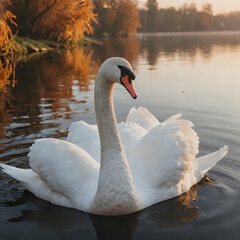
{"x":26,"y":45}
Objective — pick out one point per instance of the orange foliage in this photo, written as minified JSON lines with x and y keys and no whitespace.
{"x":66,"y":20}
{"x":131,"y":17}
{"x":59,"y":20}
{"x":117,"y":16}
{"x":6,"y":61}
{"x":5,"y":31}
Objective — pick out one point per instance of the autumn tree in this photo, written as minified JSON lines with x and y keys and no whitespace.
{"x":130,"y":17}
{"x":6,"y":60}
{"x":58,"y":20}
{"x":6,"y":18}
{"x":117,"y":16}
{"x":205,"y":21}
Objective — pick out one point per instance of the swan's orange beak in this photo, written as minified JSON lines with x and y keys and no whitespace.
{"x":127,"y":83}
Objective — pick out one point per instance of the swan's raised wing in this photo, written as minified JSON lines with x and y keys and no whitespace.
{"x":66,"y":169}
{"x":130,"y":134}
{"x":86,"y":136}
{"x":138,"y":123}
{"x":163,"y":161}
{"x":142,"y":117}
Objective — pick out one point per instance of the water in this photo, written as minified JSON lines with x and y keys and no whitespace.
{"x":195,"y":74}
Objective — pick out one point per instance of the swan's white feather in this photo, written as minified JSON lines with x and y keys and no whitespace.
{"x":86,"y":136}
{"x":138,"y":123}
{"x":173,"y":146}
{"x":66,"y":169}
{"x":206,"y":162}
{"x":173,"y":118}
{"x":31,"y":181}
{"x":142,"y":117}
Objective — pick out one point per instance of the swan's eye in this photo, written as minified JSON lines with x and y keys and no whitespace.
{"x":126,"y":71}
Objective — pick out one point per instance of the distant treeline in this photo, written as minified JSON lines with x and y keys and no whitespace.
{"x":67,"y":21}
{"x":122,"y":17}
{"x":185,"y":18}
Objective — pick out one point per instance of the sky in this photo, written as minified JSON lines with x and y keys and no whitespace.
{"x":219,"y":6}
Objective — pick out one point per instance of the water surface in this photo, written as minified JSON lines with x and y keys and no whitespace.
{"x":193,"y":73}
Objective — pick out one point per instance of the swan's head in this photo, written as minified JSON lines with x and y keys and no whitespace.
{"x":119,"y":70}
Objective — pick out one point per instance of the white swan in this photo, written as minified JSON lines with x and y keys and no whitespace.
{"x":161,"y":162}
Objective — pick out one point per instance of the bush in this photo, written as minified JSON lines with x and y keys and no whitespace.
{"x":5,"y":31}
{"x":57,"y":20}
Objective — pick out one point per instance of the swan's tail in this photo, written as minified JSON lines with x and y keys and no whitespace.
{"x":205,"y":163}
{"x":32,"y":182}
{"x":22,"y":175}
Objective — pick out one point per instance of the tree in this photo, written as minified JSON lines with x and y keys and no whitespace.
{"x":152,"y":15}
{"x":6,"y":17}
{"x":117,"y":16}
{"x":231,"y":20}
{"x":99,"y":9}
{"x":53,"y":19}
{"x":189,"y":17}
{"x":207,"y":8}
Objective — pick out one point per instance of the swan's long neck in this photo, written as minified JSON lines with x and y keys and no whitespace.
{"x":115,"y":193}
{"x":107,"y":125}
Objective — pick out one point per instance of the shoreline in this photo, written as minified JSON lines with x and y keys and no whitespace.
{"x":25,"y":45}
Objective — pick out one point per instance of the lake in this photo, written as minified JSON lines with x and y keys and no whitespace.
{"x":196,"y":74}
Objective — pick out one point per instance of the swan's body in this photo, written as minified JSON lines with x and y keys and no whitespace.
{"x":90,"y":170}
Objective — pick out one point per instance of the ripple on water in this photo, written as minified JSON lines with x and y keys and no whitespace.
{"x":194,"y":75}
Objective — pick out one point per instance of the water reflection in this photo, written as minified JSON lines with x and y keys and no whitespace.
{"x":49,"y":76}
{"x":176,"y":211}
{"x":173,"y":212}
{"x":46,"y":86}
{"x":7,"y":80}
{"x":54,"y":89}
{"x":185,"y":46}
{"x":128,"y":48}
